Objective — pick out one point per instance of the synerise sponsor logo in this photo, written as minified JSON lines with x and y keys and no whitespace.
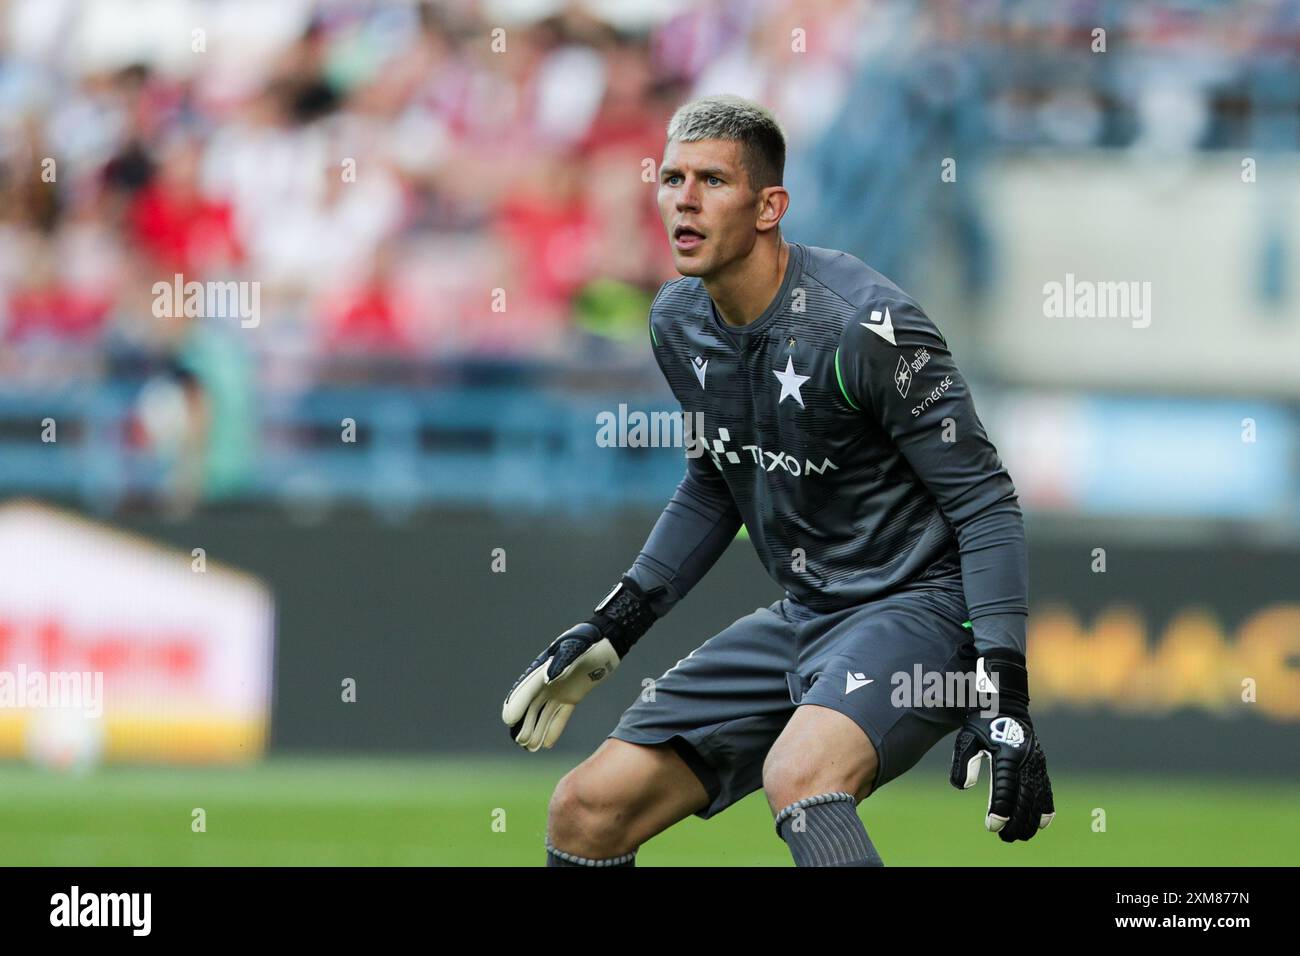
{"x":76,"y":908}
{"x":935,"y":395}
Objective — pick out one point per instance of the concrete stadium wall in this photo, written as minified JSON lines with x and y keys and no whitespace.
{"x":1207,"y":244}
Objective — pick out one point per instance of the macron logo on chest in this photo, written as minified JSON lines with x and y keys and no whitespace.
{"x":701,"y":365}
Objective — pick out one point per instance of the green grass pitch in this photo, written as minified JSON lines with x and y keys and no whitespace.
{"x":473,"y":812}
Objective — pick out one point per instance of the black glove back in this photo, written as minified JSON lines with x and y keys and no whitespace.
{"x":1020,"y":791}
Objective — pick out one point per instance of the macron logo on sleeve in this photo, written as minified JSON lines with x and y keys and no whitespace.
{"x":882,"y":325}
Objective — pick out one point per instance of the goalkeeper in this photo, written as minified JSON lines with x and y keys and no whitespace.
{"x":839,"y":431}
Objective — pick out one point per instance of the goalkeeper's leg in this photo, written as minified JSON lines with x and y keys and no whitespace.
{"x":814,"y":776}
{"x":615,"y":800}
{"x":852,"y":732}
{"x":693,"y":746}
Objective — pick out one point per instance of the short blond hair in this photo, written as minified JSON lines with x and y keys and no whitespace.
{"x":742,"y":121}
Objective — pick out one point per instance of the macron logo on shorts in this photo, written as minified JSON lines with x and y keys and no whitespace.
{"x":855,"y":681}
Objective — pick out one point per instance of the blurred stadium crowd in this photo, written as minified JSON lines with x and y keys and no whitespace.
{"x":379,"y":168}
{"x":379,"y":172}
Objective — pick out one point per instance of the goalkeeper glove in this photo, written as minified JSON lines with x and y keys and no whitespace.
{"x":542,"y":699}
{"x":1020,"y":793}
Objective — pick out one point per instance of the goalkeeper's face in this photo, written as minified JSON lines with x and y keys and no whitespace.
{"x":713,"y":215}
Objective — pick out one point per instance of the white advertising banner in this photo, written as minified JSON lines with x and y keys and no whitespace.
{"x":114,"y":646}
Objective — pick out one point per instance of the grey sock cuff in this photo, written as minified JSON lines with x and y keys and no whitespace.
{"x":812,"y":802}
{"x":573,"y":860}
{"x":830,"y":833}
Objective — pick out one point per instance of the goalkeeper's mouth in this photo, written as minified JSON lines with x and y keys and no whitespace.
{"x":686,"y":238}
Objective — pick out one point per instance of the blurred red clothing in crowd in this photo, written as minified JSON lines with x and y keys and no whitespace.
{"x":183,"y":231}
{"x":57,"y":310}
{"x":550,"y":230}
{"x":367,"y":318}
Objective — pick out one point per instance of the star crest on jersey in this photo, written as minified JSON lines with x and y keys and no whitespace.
{"x":882,"y":325}
{"x":701,"y":365}
{"x":903,"y":377}
{"x":790,"y":382}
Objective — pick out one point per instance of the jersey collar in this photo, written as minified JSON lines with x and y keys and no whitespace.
{"x":793,"y":270}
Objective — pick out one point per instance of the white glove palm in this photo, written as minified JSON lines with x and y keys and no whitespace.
{"x":539,"y":705}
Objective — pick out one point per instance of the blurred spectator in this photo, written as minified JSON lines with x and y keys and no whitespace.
{"x":181,"y":229}
{"x":431,"y":182}
{"x":46,"y":303}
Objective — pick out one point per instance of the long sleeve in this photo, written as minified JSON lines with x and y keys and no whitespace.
{"x":697,"y":525}
{"x":898,"y":365}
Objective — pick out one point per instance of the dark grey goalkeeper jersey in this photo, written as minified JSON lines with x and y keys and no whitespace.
{"x":838,"y":430}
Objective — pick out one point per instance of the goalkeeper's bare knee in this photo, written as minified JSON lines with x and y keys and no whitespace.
{"x":585,"y":822}
{"x":620,"y":797}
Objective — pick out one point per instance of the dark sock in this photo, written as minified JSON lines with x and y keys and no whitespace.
{"x":556,"y":857}
{"x":828,"y":832}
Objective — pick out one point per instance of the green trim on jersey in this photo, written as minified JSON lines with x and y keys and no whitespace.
{"x":654,"y":338}
{"x":967,"y":624}
{"x":839,"y":377}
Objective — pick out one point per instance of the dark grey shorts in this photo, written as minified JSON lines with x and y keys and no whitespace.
{"x":724,"y":705}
